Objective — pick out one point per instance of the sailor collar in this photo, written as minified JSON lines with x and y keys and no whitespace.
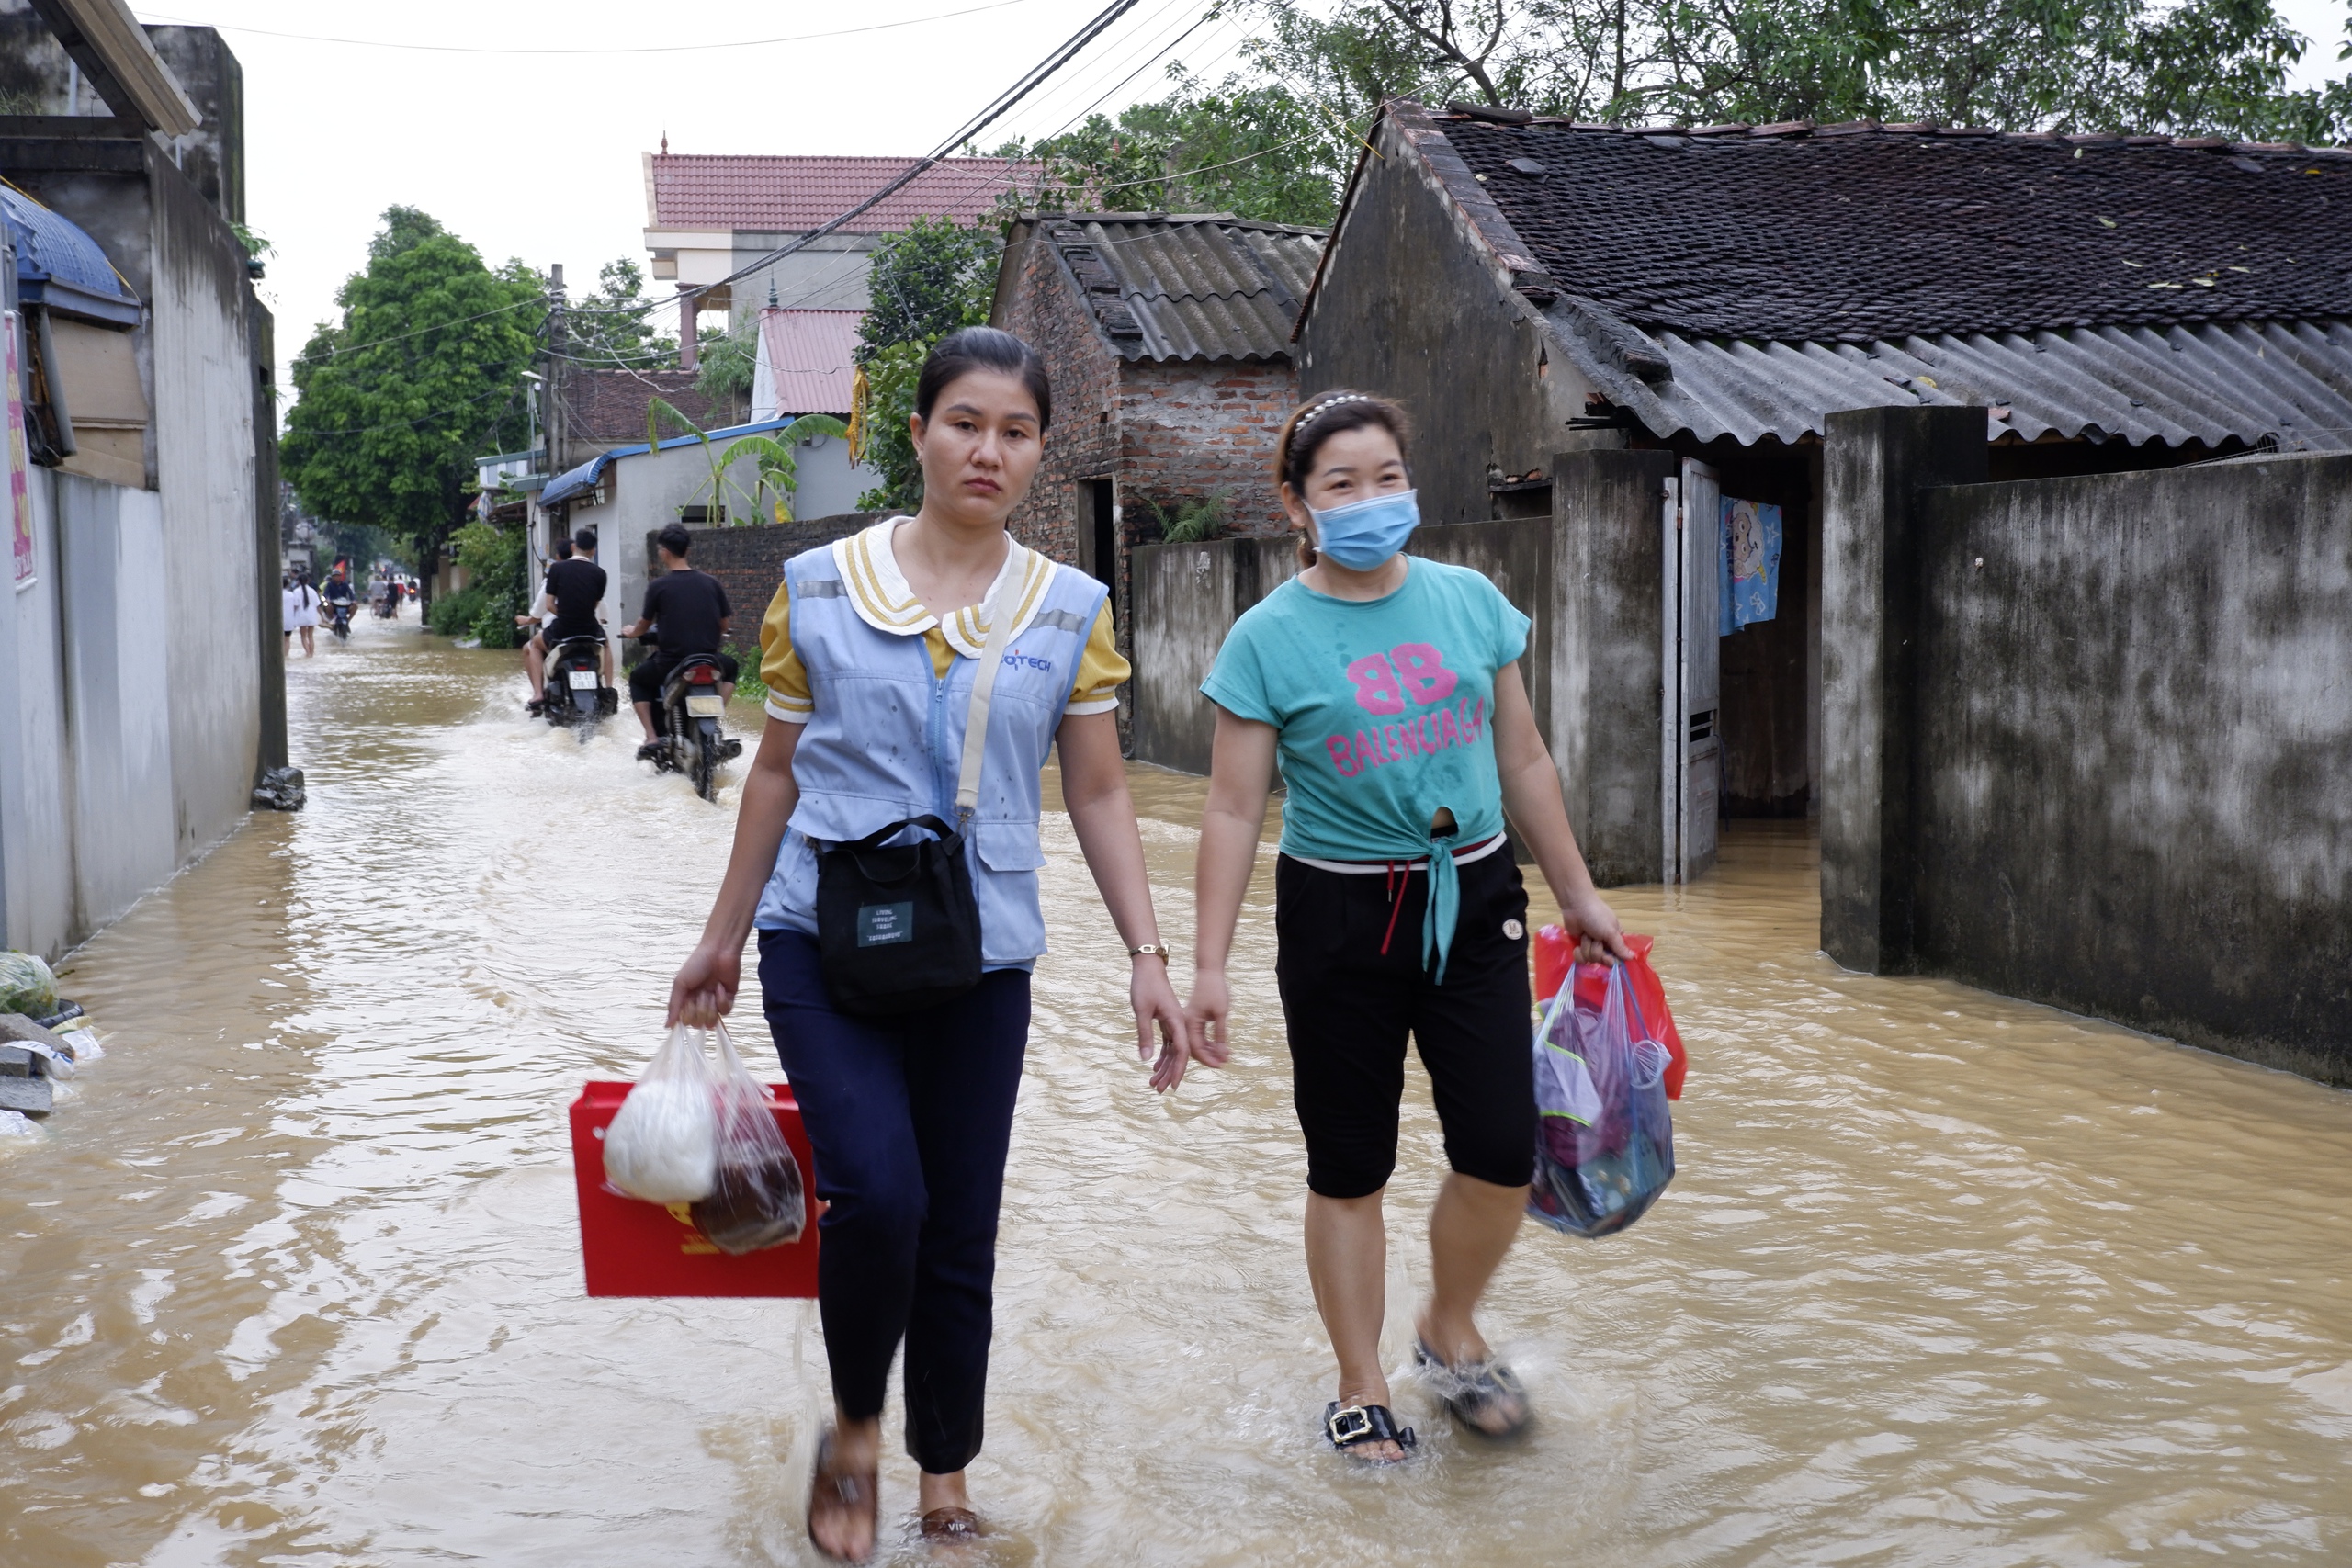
{"x":879,"y":594}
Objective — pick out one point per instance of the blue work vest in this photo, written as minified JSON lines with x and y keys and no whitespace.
{"x":886,"y":739}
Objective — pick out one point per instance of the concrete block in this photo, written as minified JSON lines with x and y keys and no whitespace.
{"x":31,"y":1096}
{"x":21,"y":1062}
{"x":17,"y":1029}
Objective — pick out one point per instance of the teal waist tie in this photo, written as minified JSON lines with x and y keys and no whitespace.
{"x":1444,"y":907}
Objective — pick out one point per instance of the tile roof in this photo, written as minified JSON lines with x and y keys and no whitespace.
{"x":805,"y":362}
{"x":780,"y":194}
{"x":1189,"y":285}
{"x":609,"y":405}
{"x":1860,"y":234}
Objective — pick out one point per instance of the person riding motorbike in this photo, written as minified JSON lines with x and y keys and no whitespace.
{"x":692,"y":610}
{"x":338,"y":592}
{"x":574,"y":588}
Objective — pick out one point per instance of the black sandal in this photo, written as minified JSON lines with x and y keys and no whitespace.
{"x":1468,"y":1392}
{"x":1347,"y":1427}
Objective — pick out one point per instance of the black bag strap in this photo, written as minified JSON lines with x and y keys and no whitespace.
{"x":855,"y":848}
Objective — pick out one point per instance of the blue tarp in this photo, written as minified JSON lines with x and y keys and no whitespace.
{"x":62,"y":268}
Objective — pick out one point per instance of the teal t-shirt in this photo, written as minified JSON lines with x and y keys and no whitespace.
{"x":1385,"y":708}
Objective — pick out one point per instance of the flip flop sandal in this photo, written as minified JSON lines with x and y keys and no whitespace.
{"x":1348,"y":1427}
{"x":1469,"y":1392}
{"x":837,"y":1494}
{"x":950,"y":1523}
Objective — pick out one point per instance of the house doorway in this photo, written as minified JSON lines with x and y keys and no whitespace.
{"x":1098,"y":539}
{"x":1740,"y":716}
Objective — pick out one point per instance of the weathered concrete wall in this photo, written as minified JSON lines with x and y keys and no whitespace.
{"x":1608,"y":671}
{"x":1875,"y":460}
{"x":204,"y":454}
{"x":1413,"y":306}
{"x":2113,"y":753}
{"x":1186,"y":598}
{"x":137,"y":715}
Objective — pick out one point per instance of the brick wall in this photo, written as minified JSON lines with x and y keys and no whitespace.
{"x":1083,"y":443}
{"x":750,"y":561}
{"x":1193,"y":429}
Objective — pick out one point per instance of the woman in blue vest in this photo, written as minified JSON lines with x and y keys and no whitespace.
{"x":870,"y":652}
{"x":1388,"y":690}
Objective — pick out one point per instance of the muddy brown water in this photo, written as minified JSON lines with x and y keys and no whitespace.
{"x":1945,"y":1278}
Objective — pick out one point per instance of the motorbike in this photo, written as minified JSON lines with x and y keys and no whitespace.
{"x":687,"y":717}
{"x":339,"y":618}
{"x":576,"y":693}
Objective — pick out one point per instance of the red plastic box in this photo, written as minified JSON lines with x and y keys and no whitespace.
{"x":635,"y":1249}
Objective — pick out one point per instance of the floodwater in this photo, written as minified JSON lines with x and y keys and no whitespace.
{"x":1944,"y":1279}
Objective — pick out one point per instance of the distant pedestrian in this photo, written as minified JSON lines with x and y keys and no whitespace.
{"x":1388,"y":691}
{"x":873,"y":652}
{"x":299,"y":612}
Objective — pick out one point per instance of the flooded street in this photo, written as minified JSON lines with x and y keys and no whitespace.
{"x":1944,"y":1278}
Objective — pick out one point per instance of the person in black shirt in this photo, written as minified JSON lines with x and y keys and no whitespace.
{"x":691,"y":610}
{"x":574,"y":588}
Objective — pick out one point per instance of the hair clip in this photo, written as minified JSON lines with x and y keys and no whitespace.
{"x":1311,"y":416}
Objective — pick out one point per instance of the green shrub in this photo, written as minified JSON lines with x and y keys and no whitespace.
{"x":454,"y":614}
{"x":492,"y":558}
{"x":1192,"y":522}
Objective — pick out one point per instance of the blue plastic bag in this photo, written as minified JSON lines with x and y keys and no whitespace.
{"x":1604,"y":1146}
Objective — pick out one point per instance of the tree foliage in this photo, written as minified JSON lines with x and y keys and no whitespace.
{"x":419,"y":378}
{"x":936,"y":276}
{"x":1276,"y":140}
{"x":613,"y":326}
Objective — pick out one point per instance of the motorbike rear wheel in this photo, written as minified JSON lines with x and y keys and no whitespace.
{"x":706,"y":765}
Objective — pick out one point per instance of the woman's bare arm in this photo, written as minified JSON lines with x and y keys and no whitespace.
{"x":1241,"y":774}
{"x":706,"y":984}
{"x":1095,"y":792}
{"x":1532,"y":800}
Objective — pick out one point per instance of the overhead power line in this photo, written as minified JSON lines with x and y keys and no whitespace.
{"x":1036,"y":77}
{"x":622,"y":49}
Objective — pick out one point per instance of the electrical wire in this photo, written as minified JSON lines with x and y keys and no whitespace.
{"x":627,"y":49}
{"x":1005,"y":101}
{"x":335,"y":351}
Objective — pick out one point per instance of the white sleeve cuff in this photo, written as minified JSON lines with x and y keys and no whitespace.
{"x":775,"y":710}
{"x":1096,"y":705}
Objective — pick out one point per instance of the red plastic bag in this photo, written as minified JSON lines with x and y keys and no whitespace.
{"x":1556,"y":952}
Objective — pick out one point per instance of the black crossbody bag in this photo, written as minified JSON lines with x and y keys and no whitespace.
{"x":898,"y":925}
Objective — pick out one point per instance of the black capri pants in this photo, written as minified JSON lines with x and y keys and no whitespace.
{"x":645,"y":681}
{"x":1349,"y":962}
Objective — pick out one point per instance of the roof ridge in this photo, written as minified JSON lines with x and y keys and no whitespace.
{"x":1796,"y":128}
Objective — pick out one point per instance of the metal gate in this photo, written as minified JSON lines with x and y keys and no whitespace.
{"x":1690,"y":699}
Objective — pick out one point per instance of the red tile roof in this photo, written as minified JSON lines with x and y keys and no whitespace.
{"x":791,"y":193}
{"x":808,"y":354}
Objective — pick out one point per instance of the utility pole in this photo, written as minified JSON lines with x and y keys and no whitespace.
{"x":556,"y":357}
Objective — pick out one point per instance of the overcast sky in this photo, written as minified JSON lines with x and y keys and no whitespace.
{"x":536,"y":155}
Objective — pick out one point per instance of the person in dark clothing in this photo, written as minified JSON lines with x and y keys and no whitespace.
{"x":574,"y":588}
{"x":691,"y":610}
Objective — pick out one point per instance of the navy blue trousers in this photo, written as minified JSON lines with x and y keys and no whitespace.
{"x":910,"y":1118}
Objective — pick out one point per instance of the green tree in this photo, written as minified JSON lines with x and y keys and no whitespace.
{"x":612,"y":327}
{"x":936,"y":276}
{"x":727,"y":358}
{"x":395,"y":400}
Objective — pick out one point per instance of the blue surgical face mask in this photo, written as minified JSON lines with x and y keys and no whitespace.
{"x":1363,"y":533}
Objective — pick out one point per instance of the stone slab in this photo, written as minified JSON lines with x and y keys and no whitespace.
{"x":31,"y":1096}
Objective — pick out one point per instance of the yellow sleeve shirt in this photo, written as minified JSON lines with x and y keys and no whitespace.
{"x":1101,"y":671}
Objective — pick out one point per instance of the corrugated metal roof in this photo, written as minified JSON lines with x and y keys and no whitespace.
{"x":578,"y":481}
{"x":781,"y":194}
{"x":2206,"y":384}
{"x":62,"y":268}
{"x":806,"y":362}
{"x":1189,"y":285}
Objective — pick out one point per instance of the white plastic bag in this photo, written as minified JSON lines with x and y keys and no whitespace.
{"x":662,"y":1145}
{"x":757,"y":1199}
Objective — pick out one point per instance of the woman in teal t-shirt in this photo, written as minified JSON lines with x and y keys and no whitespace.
{"x":1387,"y":689}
